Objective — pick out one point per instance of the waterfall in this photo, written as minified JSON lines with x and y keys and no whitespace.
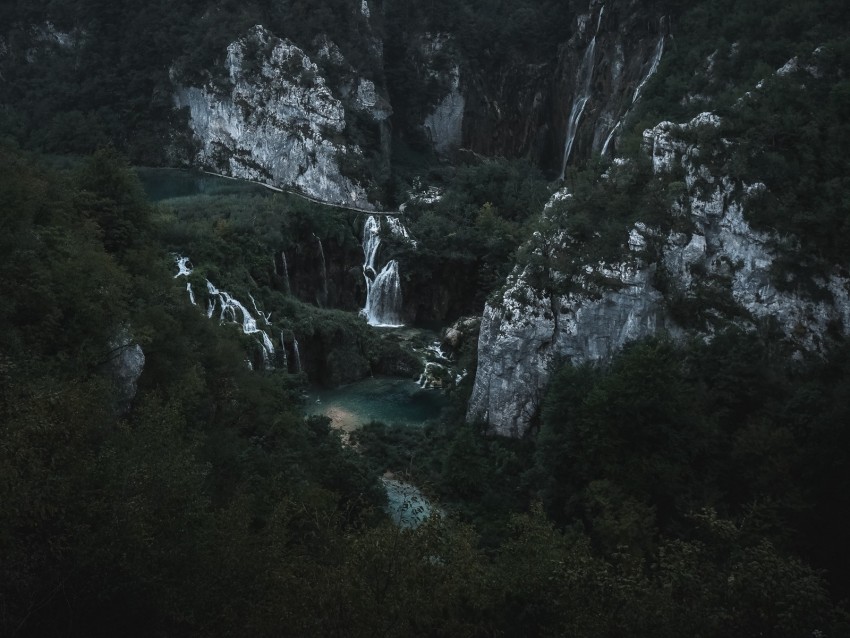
{"x":284,"y":363}
{"x":653,"y":67}
{"x":397,"y":229}
{"x":584,"y":80}
{"x":233,"y":309}
{"x":266,"y":316}
{"x":285,"y":272}
{"x":383,"y":298}
{"x":324,"y":294}
{"x":383,"y":290}
{"x":656,"y":59}
{"x":371,"y":241}
{"x":297,"y":354}
{"x":609,"y":138}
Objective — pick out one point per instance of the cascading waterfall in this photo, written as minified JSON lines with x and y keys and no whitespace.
{"x":383,"y":298}
{"x":231,"y":308}
{"x":383,"y":290}
{"x":584,"y":80}
{"x":324,"y":293}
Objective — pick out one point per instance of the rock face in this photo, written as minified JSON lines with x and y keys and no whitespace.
{"x":276,"y":123}
{"x":524,"y":336}
{"x":281,"y":122}
{"x":725,"y":254}
{"x":525,"y":111}
{"x":722,"y":262}
{"x":445,"y":124}
{"x":125,"y":367}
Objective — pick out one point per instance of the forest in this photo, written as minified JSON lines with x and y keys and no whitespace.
{"x":687,"y":486}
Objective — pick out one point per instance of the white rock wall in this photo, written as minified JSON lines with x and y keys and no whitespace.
{"x":278,"y":123}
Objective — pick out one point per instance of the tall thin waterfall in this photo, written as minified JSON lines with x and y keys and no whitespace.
{"x":284,"y":363}
{"x":191,"y":293}
{"x":297,"y":354}
{"x":323,"y":299}
{"x":610,"y":138}
{"x":656,"y":59}
{"x":285,"y":272}
{"x":383,"y":289}
{"x":584,"y":80}
{"x":653,"y":67}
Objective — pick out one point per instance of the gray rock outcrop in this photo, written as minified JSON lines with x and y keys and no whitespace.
{"x":279,"y":123}
{"x":721,"y":262}
{"x":124,"y":367}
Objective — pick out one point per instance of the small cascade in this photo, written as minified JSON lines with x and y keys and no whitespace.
{"x":297,"y":355}
{"x":285,"y":272}
{"x":383,"y":289}
{"x":656,"y":59}
{"x":265,"y":316}
{"x":397,"y":229}
{"x":323,"y":300}
{"x":584,"y":80}
{"x":231,"y":310}
{"x":184,"y":267}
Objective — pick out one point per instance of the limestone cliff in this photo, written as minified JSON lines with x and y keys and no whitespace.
{"x":720,"y":263}
{"x":278,"y":122}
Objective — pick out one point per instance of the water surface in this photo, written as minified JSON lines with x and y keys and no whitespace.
{"x":386,"y":399}
{"x":169,"y":183}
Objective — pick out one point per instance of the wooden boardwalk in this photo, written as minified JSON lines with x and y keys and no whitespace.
{"x":310,"y":198}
